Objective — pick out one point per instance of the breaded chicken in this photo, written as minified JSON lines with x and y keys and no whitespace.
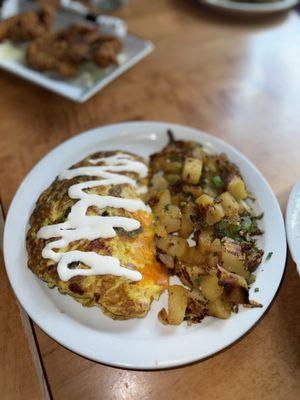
{"x":63,"y":51}
{"x":27,"y":26}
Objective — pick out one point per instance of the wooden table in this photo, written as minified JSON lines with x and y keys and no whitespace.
{"x":236,"y":78}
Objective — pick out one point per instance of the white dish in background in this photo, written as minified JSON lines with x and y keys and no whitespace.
{"x":242,"y":7}
{"x":90,"y":79}
{"x":292,"y":221}
{"x":138,"y":343}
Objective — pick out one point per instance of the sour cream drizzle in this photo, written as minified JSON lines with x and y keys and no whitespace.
{"x":79,"y":226}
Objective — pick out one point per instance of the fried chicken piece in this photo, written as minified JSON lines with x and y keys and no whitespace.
{"x":106,"y":52}
{"x":63,"y":51}
{"x":49,"y":54}
{"x":27,"y":26}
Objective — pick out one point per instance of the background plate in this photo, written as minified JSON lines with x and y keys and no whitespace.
{"x":80,"y":88}
{"x":292,"y":222}
{"x":251,"y":8}
{"x":139,"y":343}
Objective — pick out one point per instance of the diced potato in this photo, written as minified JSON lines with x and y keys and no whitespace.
{"x":219,"y":308}
{"x":164,"y":198}
{"x":196,"y":191}
{"x":193,"y":255}
{"x":233,"y":258}
{"x":204,"y":201}
{"x":216,"y":246}
{"x":192,"y":170}
{"x":167,"y":260}
{"x":159,"y":182}
{"x":172,"y":178}
{"x":210,"y":164}
{"x":236,"y":187}
{"x":212,"y":260}
{"x":204,"y":241}
{"x":160,"y":231}
{"x":199,"y":153}
{"x":170,"y":218}
{"x":210,"y":287}
{"x":186,"y":228}
{"x":214,"y":210}
{"x":229,"y":204}
{"x":214,"y":214}
{"x":176,"y":200}
{"x":177,"y":304}
{"x":172,"y":166}
{"x":235,"y":287}
{"x":172,"y":245}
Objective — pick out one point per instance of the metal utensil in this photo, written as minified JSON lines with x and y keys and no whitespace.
{"x":108,"y":24}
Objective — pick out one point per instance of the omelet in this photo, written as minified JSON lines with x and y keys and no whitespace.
{"x":118,"y":296}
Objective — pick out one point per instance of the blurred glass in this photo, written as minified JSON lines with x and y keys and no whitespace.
{"x":108,"y":5}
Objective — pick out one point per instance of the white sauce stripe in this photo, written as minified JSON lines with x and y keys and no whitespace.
{"x":100,"y":265}
{"x":80,"y":226}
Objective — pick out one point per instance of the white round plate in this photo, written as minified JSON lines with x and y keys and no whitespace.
{"x":292,"y":222}
{"x":242,"y":7}
{"x":138,"y":343}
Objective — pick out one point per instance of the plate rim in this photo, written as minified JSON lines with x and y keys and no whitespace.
{"x":160,"y":125}
{"x":251,"y":8}
{"x":289,"y":230}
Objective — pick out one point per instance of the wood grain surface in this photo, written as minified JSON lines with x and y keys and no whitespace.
{"x":21,"y":372}
{"x":236,"y":78}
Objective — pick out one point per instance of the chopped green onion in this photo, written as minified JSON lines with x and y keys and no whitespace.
{"x":269,"y":256}
{"x":217,"y":182}
{"x":256,"y":290}
{"x":246,"y":223}
{"x":198,"y":280}
{"x":251,"y":279}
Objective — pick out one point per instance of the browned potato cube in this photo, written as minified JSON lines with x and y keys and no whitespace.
{"x":219,"y":308}
{"x":186,"y":228}
{"x":233,"y":258}
{"x":173,"y":167}
{"x":192,"y":170}
{"x":205,"y":241}
{"x":204,"y":201}
{"x":160,"y":231}
{"x":235,"y":287}
{"x":216,"y":246}
{"x":164,"y":198}
{"x":236,"y":187}
{"x":214,"y":214}
{"x":196,"y":191}
{"x":170,"y":218}
{"x":193,"y":255}
{"x":159,"y":182}
{"x":177,"y":303}
{"x":229,"y":204}
{"x":210,"y":287}
{"x":172,"y":245}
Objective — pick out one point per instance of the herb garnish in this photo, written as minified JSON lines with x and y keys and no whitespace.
{"x":217,"y":182}
{"x":246,"y":224}
{"x":225,"y":229}
{"x":198,"y":280}
{"x":256,"y":290}
{"x":269,"y":256}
